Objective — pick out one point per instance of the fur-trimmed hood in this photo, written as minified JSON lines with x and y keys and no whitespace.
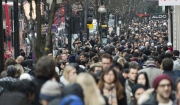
{"x":149,"y":98}
{"x":145,"y":96}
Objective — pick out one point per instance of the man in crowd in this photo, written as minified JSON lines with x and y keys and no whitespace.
{"x":107,"y":62}
{"x":130,"y":82}
{"x":19,"y":59}
{"x":177,"y":101}
{"x":167,"y":66}
{"x":64,"y":57}
{"x":162,"y":93}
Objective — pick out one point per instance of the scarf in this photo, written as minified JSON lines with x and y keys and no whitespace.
{"x":109,"y":91}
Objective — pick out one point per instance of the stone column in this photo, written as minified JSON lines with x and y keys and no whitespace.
{"x":176,"y":28}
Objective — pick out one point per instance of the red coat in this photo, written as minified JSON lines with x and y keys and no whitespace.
{"x":170,"y":48}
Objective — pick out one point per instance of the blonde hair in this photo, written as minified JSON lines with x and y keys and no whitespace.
{"x":92,"y":95}
{"x":19,"y":70}
{"x":98,"y":64}
{"x":66,"y":71}
{"x":122,"y":61}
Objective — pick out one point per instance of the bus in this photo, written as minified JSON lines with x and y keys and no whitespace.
{"x":8,"y":25}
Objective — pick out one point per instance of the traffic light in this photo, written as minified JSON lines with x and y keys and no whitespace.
{"x":68,"y":23}
{"x":89,"y":15}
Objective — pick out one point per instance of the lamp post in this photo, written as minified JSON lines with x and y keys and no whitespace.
{"x":119,"y":27}
{"x":1,"y":42}
{"x":16,"y":29}
{"x":101,"y":10}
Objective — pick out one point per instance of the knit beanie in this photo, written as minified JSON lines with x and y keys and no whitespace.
{"x":25,"y":76}
{"x":159,"y":78}
{"x":136,"y":87}
{"x":50,"y":90}
{"x":72,"y":59}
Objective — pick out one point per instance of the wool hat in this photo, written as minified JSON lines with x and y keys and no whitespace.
{"x":11,"y":70}
{"x":50,"y":90}
{"x":136,"y":87}
{"x":159,"y":78}
{"x":169,"y":44}
{"x":25,"y":76}
{"x":72,"y":59}
{"x":71,"y":100}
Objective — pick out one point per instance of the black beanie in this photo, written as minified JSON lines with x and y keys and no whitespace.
{"x":136,"y":87}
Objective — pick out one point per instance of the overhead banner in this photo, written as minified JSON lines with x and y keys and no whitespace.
{"x":169,"y":2}
{"x":159,"y":16}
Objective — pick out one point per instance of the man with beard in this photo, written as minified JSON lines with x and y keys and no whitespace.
{"x":162,"y":93}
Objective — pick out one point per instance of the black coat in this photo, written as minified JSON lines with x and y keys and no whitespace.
{"x":173,"y":77}
{"x":123,"y":101}
{"x":6,"y":86}
{"x":39,"y":81}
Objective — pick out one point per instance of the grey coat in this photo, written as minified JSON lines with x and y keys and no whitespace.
{"x":152,"y":72}
{"x":129,"y":94}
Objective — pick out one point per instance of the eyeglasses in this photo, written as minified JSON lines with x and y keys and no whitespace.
{"x":164,"y":85}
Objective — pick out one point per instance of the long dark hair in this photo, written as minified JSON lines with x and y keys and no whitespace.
{"x":146,"y":77}
{"x":116,"y":83}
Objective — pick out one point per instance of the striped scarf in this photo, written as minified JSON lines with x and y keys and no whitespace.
{"x":109,"y":91}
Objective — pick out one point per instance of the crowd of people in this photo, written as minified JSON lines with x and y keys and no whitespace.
{"x":139,"y":67}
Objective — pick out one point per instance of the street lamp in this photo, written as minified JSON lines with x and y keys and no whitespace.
{"x":1,"y":41}
{"x":119,"y":27}
{"x":101,"y":10}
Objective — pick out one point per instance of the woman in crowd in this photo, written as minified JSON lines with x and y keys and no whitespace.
{"x":61,"y":65}
{"x":137,"y":91}
{"x":142,"y":78}
{"x":69,"y":75}
{"x":47,"y":96}
{"x":91,"y":92}
{"x":19,"y":70}
{"x":122,"y":61}
{"x":110,"y":87}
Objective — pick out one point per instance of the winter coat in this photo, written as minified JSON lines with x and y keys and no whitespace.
{"x":39,"y":81}
{"x":152,"y":72}
{"x":177,"y":72}
{"x":176,"y":65}
{"x":14,"y":98}
{"x":8,"y":78}
{"x":74,"y":88}
{"x":176,"y":102}
{"x":149,"y":98}
{"x":128,"y":90}
{"x":132,"y":103}
{"x":123,"y":101}
{"x":172,"y":76}
{"x":6,"y":86}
